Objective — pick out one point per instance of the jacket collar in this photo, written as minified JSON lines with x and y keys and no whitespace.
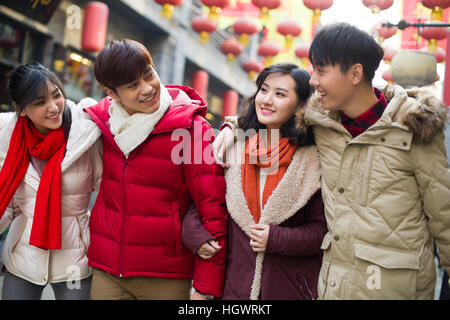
{"x":298,"y":185}
{"x":287,"y":198}
{"x":176,"y":117}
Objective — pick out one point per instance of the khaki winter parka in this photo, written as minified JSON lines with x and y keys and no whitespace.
{"x":387,"y":198}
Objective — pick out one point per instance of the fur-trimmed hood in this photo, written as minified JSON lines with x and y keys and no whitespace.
{"x":416,"y":109}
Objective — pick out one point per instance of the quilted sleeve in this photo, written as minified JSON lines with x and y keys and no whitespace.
{"x":433,"y":176}
{"x":206,"y":184}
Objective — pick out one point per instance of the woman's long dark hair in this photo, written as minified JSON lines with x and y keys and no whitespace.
{"x":29,"y":81}
{"x":248,"y":119}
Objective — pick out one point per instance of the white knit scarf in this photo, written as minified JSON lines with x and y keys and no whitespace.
{"x":130,"y":131}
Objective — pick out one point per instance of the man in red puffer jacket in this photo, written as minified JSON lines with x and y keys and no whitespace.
{"x":157,"y":162}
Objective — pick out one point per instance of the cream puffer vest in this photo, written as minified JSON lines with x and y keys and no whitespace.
{"x":81,"y":172}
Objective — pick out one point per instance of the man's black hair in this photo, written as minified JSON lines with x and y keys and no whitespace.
{"x":344,"y":44}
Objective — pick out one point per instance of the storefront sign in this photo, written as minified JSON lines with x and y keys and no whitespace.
{"x":39,"y":10}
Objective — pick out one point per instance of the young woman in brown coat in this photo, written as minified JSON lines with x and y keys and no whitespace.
{"x":273,"y":194}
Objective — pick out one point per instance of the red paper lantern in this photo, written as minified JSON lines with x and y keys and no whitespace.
{"x":94,"y":26}
{"x":265,"y":6}
{"x":168,"y":7}
{"x":231,"y":48}
{"x":302,"y":52}
{"x":268,"y":50}
{"x":433,"y":34}
{"x":387,"y":75}
{"x":437,"y":7}
{"x":378,"y":5}
{"x":439,"y":54}
{"x":385,"y":32}
{"x":245,"y":27}
{"x":252,"y":67}
{"x":204,"y":27}
{"x":215,"y":6}
{"x":289,"y":29}
{"x":389,"y":53}
{"x":318,"y":6}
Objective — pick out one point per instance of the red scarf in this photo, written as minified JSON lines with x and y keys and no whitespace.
{"x":265,"y":158}
{"x":26,"y":140}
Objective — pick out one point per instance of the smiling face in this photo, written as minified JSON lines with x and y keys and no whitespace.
{"x":276,"y":101}
{"x":335,"y":87}
{"x":141,"y":95}
{"x":46,"y":110}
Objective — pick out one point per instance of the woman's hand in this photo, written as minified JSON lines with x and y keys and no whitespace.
{"x":208,"y":249}
{"x":259,"y":233}
{"x":223,"y":141}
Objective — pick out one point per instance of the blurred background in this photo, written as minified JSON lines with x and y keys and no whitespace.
{"x":215,"y":46}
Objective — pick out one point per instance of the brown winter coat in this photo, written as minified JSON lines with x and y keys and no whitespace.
{"x":289,"y":267}
{"x":387,"y":197}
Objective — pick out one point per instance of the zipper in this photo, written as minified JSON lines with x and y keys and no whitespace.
{"x":123,"y":219}
{"x":81,"y":235}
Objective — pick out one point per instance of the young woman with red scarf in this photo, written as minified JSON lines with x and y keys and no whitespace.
{"x":273,"y":194}
{"x":50,"y":159}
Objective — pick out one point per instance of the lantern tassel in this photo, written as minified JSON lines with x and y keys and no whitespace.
{"x":289,"y":41}
{"x":265,"y":16}
{"x":214,"y":13}
{"x":244,"y":39}
{"x":204,"y":37}
{"x":432,"y":45}
{"x":167,"y":11}
{"x":437,"y":14}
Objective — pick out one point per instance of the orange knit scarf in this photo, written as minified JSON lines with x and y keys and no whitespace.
{"x":257,"y":156}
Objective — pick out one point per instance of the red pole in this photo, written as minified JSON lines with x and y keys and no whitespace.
{"x":447,"y":73}
{"x":230,"y":103}
{"x":199,"y":82}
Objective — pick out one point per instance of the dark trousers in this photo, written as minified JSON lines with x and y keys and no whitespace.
{"x":16,"y":288}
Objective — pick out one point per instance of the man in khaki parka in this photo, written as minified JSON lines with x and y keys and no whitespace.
{"x":385,"y":176}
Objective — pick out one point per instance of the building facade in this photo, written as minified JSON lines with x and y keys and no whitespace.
{"x":50,"y":32}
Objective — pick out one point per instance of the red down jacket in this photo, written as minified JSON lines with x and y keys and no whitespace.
{"x":135,"y":225}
